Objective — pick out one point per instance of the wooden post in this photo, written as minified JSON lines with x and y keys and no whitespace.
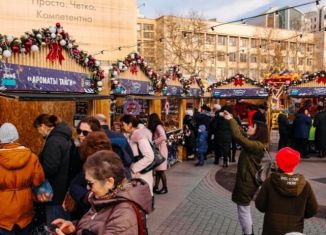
{"x":155,"y":106}
{"x":182,"y":112}
{"x":102,"y":106}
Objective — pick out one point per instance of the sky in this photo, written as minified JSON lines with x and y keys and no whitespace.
{"x":222,"y":10}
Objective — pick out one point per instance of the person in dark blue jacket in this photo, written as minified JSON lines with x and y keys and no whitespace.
{"x":120,"y":144}
{"x":301,"y":127}
{"x":202,"y":145}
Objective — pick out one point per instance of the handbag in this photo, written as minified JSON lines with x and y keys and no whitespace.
{"x":265,"y":170}
{"x":69,"y":204}
{"x":158,"y":158}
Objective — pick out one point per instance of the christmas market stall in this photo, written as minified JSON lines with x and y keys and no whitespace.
{"x":134,"y":86}
{"x":44,"y":71}
{"x":277,"y":83}
{"x":173,"y":110}
{"x":240,"y":92}
{"x":308,"y":90}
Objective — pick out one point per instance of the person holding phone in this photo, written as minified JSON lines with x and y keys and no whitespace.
{"x":117,"y":206}
{"x":253,"y":143}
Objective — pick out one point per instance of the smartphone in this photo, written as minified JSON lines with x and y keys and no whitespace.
{"x":51,"y":228}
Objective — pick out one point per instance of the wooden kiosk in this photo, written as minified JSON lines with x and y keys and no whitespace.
{"x":40,"y":75}
{"x":133,"y":90}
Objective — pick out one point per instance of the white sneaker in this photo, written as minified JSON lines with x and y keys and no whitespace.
{"x":192,"y":156}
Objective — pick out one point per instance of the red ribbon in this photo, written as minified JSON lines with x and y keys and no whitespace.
{"x":55,"y":52}
{"x":133,"y":69}
{"x":321,"y":80}
{"x":238,"y":82}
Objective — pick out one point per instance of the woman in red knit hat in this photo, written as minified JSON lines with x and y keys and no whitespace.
{"x":286,"y":198}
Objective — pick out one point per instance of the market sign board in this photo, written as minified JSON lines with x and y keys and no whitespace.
{"x":134,"y":87}
{"x":233,"y":93}
{"x":14,"y":77}
{"x":172,"y":91}
{"x":307,"y":91}
{"x":195,"y":92}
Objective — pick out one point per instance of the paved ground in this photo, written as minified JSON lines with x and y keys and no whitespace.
{"x":197,"y":204}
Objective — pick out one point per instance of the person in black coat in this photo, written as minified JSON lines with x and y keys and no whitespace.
{"x":222,"y":136}
{"x":189,"y":133}
{"x":55,"y":158}
{"x":320,"y":124}
{"x":284,"y":130}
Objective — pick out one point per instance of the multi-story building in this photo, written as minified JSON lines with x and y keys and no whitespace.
{"x":281,"y":18}
{"x":316,"y":20}
{"x":225,"y":50}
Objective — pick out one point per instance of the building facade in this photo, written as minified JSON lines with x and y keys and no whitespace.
{"x":228,"y":49}
{"x":316,"y":20}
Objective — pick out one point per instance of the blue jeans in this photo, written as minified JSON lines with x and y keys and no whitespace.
{"x":16,"y":231}
{"x":53,"y":212}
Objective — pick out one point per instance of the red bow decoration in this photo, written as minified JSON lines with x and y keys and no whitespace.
{"x":238,"y":82}
{"x":321,"y":80}
{"x":133,"y":69}
{"x":55,"y":52}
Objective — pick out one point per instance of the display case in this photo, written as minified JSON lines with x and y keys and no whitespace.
{"x":170,"y":113}
{"x":121,"y":106}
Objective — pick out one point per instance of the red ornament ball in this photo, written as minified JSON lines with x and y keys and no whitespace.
{"x":28,"y":43}
{"x":58,"y":25}
{"x":15,"y":49}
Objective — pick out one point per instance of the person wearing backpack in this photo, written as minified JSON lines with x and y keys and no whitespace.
{"x":286,"y":197}
{"x":117,"y":206}
{"x":119,"y":143}
{"x":250,"y":158}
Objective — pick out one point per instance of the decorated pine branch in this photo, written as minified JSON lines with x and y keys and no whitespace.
{"x":56,"y":39}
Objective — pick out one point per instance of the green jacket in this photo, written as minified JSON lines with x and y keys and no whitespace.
{"x":286,"y":200}
{"x":248,"y":164}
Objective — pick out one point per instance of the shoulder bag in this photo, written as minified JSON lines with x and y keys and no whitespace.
{"x":265,"y":169}
{"x":158,"y":158}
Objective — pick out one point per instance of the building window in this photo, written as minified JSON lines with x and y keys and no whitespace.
{"x":244,"y":72}
{"x":232,"y":57}
{"x":148,"y":27}
{"x":210,"y":39}
{"x":148,"y":35}
{"x":310,"y":48}
{"x":263,"y":44}
{"x":243,"y":58}
{"x":285,"y":60}
{"x":233,"y":41}
{"x":232,"y":72}
{"x":301,"y":61}
{"x":253,"y":58}
{"x":284,"y":46}
{"x":138,"y":26}
{"x":293,"y":46}
{"x":254,"y":43}
{"x":221,"y":40}
{"x":291,"y":60}
{"x":139,"y":34}
{"x":220,"y":56}
{"x":309,"y":62}
{"x":244,"y":42}
{"x":264,"y":59}
{"x":253,"y":74}
{"x":220,"y":72}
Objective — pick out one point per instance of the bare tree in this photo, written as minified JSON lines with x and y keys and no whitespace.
{"x":182,"y":41}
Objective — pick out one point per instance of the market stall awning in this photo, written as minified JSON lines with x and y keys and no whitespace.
{"x":257,"y":93}
{"x":20,"y":96}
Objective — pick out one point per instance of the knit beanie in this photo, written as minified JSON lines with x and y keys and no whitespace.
{"x":287,"y":159}
{"x":8,"y":133}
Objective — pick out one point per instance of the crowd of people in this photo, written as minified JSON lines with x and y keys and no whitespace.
{"x":96,"y":184}
{"x":307,"y":132}
{"x":96,"y":180}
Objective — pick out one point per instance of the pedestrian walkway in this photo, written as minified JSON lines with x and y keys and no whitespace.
{"x":197,"y":204}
